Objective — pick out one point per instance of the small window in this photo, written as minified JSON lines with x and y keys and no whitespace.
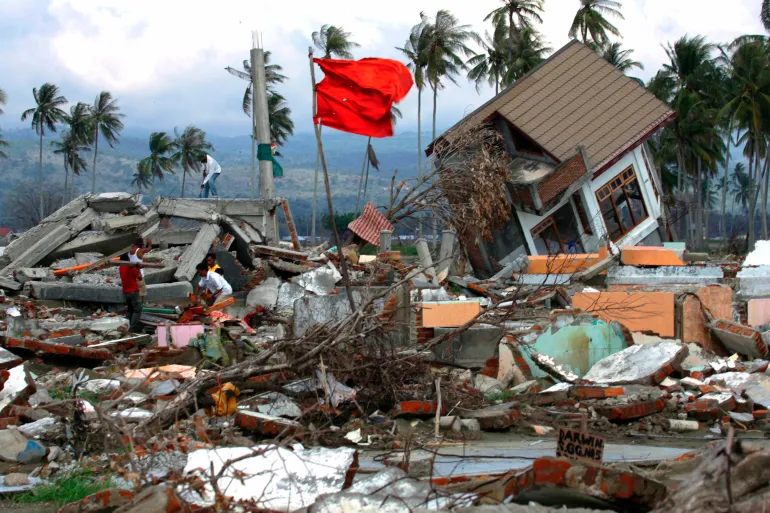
{"x":581,"y":210}
{"x":622,"y":204}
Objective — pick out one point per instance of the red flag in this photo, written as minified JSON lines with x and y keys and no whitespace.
{"x":356,"y":96}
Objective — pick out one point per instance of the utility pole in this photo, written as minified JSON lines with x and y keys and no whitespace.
{"x":262,"y":120}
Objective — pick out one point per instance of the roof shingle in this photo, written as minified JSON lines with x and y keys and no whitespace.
{"x":576,"y":98}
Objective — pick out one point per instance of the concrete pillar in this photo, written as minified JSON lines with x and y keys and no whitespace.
{"x":386,"y":239}
{"x":423,"y":252}
{"x":448,"y":238}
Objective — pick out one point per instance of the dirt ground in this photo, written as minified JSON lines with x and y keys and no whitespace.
{"x":39,"y":507}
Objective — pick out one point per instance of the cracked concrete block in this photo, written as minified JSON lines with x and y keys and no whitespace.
{"x":667,"y":275}
{"x":265,"y":295}
{"x":196,"y":252}
{"x":104,"y":294}
{"x":646,"y":364}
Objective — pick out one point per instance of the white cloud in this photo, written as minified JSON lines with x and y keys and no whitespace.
{"x":164,"y":58}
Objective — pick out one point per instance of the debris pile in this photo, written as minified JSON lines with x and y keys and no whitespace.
{"x":332,"y":379}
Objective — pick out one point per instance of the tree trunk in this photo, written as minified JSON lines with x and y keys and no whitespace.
{"x":66,"y":179}
{"x":93,"y":166}
{"x":153,"y":186}
{"x":253,"y":155}
{"x":434,"y":241}
{"x":723,"y":221}
{"x":682,"y":206}
{"x":699,"y":205}
{"x":753,"y":196}
{"x":419,"y":135}
{"x":184,"y":176}
{"x":764,"y":200}
{"x":42,"y":208}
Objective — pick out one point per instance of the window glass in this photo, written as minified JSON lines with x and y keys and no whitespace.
{"x":621,"y":204}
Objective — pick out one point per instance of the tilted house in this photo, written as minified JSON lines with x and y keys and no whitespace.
{"x":575,"y":128}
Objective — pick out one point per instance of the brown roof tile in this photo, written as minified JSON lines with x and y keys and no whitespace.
{"x":576,"y":98}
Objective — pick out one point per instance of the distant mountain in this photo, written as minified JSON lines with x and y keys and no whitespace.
{"x":116,"y":167}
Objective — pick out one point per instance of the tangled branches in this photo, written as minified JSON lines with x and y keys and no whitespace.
{"x":466,"y":188}
{"x":473,"y":173}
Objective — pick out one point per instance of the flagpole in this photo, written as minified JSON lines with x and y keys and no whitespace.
{"x":343,"y":263}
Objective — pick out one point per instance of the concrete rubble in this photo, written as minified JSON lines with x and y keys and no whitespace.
{"x":322,"y":374}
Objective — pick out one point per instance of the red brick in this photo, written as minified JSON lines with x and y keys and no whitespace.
{"x":417,"y":408}
{"x":633,"y":410}
{"x":267,"y":425}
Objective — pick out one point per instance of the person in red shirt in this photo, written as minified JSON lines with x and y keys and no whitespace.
{"x":131,"y":277}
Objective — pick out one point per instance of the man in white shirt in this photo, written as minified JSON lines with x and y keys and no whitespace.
{"x":211,"y":171}
{"x":214,"y":283}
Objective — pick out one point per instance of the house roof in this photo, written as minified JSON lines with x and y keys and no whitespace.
{"x":576,"y":98}
{"x":5,"y":231}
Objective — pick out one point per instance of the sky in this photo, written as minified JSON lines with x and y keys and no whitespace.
{"x":164,"y":59}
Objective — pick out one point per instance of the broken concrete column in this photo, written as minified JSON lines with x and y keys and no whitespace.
{"x":94,"y":242}
{"x":187,"y":209}
{"x":426,"y":261}
{"x":196,"y":252}
{"x":112,"y":202}
{"x":386,"y":240}
{"x":630,"y":275}
{"x":101,"y":293}
{"x":448,"y":239}
{"x":127,"y":222}
{"x":40,"y":249}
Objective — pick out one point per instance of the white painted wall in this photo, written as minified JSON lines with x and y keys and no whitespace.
{"x":588,"y":193}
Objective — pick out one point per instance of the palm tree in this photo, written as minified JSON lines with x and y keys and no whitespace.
{"x":69,"y":147}
{"x":3,"y":144}
{"x":621,"y":59}
{"x":3,"y":99}
{"x":334,"y":41}
{"x":281,"y":125}
{"x":491,"y":64}
{"x":740,"y":188}
{"x":272,"y":76}
{"x":45,"y":115}
{"x":190,"y":146}
{"x":749,"y":108}
{"x":590,"y":20}
{"x":105,"y":120}
{"x":141,"y":177}
{"x":416,"y":52}
{"x":663,"y":86}
{"x":764,"y":16}
{"x":528,"y":51}
{"x":79,"y":121}
{"x":688,"y":57}
{"x":447,"y":39}
{"x":518,"y":15}
{"x":158,"y":162}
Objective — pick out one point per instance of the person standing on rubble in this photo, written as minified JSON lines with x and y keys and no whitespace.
{"x":136,"y":254}
{"x":211,"y":171}
{"x":130,"y":278}
{"x":215,"y":283}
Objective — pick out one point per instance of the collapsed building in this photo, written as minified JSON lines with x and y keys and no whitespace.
{"x":575,"y":128}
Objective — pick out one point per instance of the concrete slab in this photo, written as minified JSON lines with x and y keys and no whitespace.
{"x":471,"y":348}
{"x":93,"y":242}
{"x":629,"y":275}
{"x":310,"y":311}
{"x":112,"y":202}
{"x":754,"y":282}
{"x":640,"y":311}
{"x":643,"y":364}
{"x":104,"y":294}
{"x":196,"y":252}
{"x":544,"y":279}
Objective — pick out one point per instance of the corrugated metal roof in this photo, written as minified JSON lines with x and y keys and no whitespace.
{"x":576,"y":98}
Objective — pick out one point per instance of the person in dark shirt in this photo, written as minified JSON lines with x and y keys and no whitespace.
{"x":131,"y":277}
